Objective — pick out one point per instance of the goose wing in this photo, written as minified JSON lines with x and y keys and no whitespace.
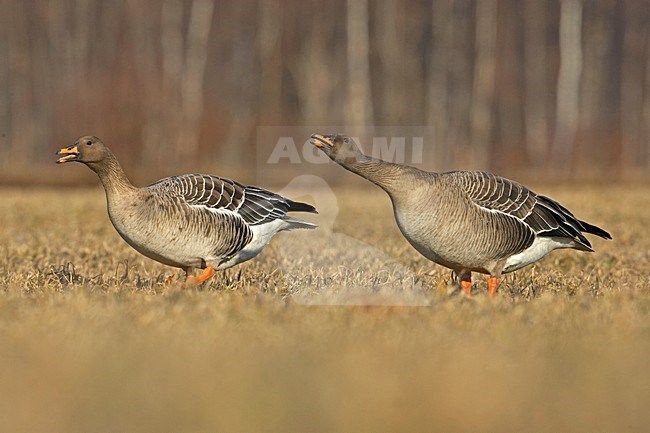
{"x":209,"y":207}
{"x":253,"y":205}
{"x":544,"y":216}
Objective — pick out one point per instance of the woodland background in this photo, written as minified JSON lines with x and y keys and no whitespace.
{"x":554,"y":88}
{"x":93,"y":340}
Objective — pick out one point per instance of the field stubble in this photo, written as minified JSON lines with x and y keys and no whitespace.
{"x":345,"y":328}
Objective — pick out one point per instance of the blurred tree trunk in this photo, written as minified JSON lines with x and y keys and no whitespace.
{"x":633,"y":70}
{"x":536,"y":125}
{"x":5,"y":84}
{"x":110,"y":18}
{"x":241,"y":93}
{"x":42,"y":91}
{"x":596,"y":101}
{"x":398,"y":78}
{"x":484,"y":81}
{"x":437,"y":110}
{"x":196,"y":53}
{"x":460,"y":80}
{"x":487,"y":79}
{"x":392,"y":56}
{"x":645,"y":113}
{"x":511,"y":102}
{"x":316,"y":75}
{"x":568,"y":83}
{"x":359,"y":111}
{"x":79,"y":39}
{"x":20,"y":95}
{"x":157,"y":131}
{"x":271,"y":22}
{"x":168,"y":120}
{"x":175,"y":103}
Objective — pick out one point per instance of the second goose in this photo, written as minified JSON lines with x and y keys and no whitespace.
{"x":469,"y":221}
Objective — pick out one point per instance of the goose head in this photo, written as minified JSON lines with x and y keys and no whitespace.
{"x":338,"y":147}
{"x":87,"y":149}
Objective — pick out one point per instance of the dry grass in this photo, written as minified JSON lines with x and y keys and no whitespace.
{"x":91,"y":341}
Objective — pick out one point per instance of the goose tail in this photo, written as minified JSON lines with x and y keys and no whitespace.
{"x":296,"y":206}
{"x":595,"y":230}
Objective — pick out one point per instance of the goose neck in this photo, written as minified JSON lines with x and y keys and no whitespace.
{"x":381,"y":173}
{"x":112,"y":176}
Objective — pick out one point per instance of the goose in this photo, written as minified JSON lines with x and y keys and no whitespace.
{"x":468,"y":221}
{"x":192,"y":221}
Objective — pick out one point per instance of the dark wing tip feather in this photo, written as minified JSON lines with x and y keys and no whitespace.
{"x":595,"y":230}
{"x":296,"y":206}
{"x":582,"y":240}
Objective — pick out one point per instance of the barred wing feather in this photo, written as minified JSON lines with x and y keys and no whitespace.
{"x":254,"y":205}
{"x":544,"y":216}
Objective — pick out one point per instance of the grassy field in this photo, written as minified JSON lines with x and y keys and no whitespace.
{"x":343,"y":329}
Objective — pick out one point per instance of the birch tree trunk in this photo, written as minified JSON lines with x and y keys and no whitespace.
{"x":167,"y":119}
{"x":460,"y":81}
{"x":398,"y":78}
{"x":316,"y":75}
{"x":568,"y":83}
{"x":484,"y":81}
{"x":20,"y":97}
{"x":596,"y":70}
{"x":271,"y":22}
{"x":510,"y":106}
{"x":5,"y":84}
{"x":156,"y":142}
{"x":392,"y":56}
{"x":241,"y":95}
{"x":192,"y":79}
{"x":536,"y":125}
{"x":42,"y":93}
{"x":437,"y":109}
{"x":633,"y":71}
{"x":644,"y":157}
{"x":359,"y":110}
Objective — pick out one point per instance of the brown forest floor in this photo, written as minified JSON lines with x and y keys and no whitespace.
{"x":345,"y":328}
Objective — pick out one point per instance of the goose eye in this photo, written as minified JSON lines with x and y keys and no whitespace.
{"x":88,"y":143}
{"x":346,"y":140}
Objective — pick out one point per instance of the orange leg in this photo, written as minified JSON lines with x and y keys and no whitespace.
{"x":466,"y":285}
{"x":492,"y":283}
{"x":205,"y":275}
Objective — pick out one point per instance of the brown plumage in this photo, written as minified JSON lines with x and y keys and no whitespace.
{"x":189,"y":221}
{"x":469,"y":221}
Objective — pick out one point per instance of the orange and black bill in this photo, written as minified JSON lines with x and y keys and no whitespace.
{"x":71,"y":154}
{"x":320,"y":140}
